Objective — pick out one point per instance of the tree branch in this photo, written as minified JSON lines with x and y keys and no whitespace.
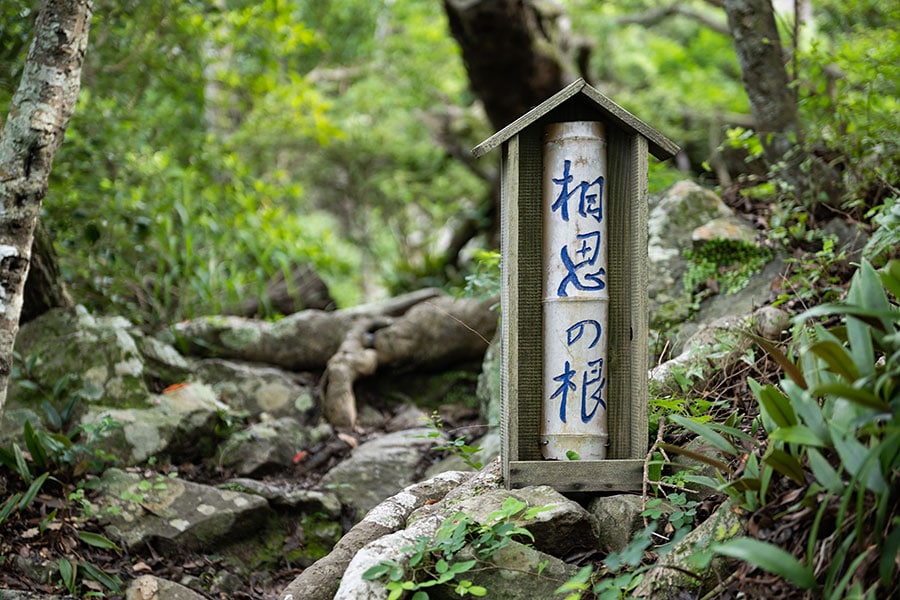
{"x":655,"y":16}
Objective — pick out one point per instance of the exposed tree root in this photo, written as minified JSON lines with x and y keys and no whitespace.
{"x":423,"y":330}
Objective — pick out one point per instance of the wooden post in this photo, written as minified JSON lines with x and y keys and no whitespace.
{"x":526,"y":385}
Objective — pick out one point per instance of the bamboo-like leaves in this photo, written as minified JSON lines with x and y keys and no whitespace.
{"x":770,"y":558}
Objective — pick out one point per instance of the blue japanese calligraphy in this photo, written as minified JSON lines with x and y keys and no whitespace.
{"x":592,"y":384}
{"x":589,"y":203}
{"x":578,"y":272}
{"x":566,"y":385}
{"x":575,"y":332}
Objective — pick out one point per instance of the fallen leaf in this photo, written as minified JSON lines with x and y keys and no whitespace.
{"x":348,"y":439}
{"x":31,"y":533}
{"x":141,"y":566}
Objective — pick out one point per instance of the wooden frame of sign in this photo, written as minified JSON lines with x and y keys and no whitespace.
{"x":628,"y":142}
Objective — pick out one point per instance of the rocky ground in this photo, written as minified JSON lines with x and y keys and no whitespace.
{"x":232,"y":458}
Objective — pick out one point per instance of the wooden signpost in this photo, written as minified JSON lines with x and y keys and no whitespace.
{"x":574,"y":292}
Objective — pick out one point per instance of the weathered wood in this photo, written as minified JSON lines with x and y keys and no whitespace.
{"x":628,"y":281}
{"x":606,"y":110}
{"x":629,"y":141}
{"x":578,"y":475}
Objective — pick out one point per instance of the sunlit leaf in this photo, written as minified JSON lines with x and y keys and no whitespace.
{"x":837,"y":357}
{"x":770,"y":558}
{"x":860,"y":396}
{"x":797,"y":434}
{"x":860,"y":462}
{"x":705,"y":432}
{"x":822,"y":470}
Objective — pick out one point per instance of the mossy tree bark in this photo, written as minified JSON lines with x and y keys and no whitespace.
{"x":32,"y":134}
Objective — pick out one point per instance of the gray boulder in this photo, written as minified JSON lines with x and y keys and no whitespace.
{"x":180,"y":423}
{"x":173,"y":513}
{"x":674,"y":216}
{"x":268,"y":446}
{"x":260,"y":390}
{"x":379,"y":468}
{"x":98,"y":357}
{"x":618,"y":519}
{"x":565,"y":528}
{"x":148,"y":587}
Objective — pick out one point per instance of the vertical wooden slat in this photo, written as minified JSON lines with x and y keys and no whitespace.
{"x":628,"y":295}
{"x":509,"y":304}
{"x":531,"y":278}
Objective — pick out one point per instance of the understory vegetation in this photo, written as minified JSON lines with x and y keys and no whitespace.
{"x":218,"y":145}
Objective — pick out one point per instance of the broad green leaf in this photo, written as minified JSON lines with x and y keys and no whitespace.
{"x":860,"y":396}
{"x":9,"y":506}
{"x":67,"y":572}
{"x":873,"y":318}
{"x":705,"y":432}
{"x":890,"y":277}
{"x":774,"y":406}
{"x":21,"y":464}
{"x":797,"y":434}
{"x":462,"y":567}
{"x":112,"y":582}
{"x":860,"y":462}
{"x":807,"y":409}
{"x":33,"y":490}
{"x":822,"y":470}
{"x":38,"y":452}
{"x":97,"y":540}
{"x":53,"y":418}
{"x":889,"y":552}
{"x":837,"y":357}
{"x":785,"y":464}
{"x":770,"y":558}
{"x":8,"y":460}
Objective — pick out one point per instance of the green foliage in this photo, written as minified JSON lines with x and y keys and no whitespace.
{"x":460,"y":545}
{"x":457,"y":446}
{"x":728,"y":263}
{"x":833,"y":421}
{"x":885,"y":240}
{"x":620,"y":573}
{"x":484,"y":280}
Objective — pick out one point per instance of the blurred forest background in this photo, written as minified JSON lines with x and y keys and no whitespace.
{"x":219,"y":143}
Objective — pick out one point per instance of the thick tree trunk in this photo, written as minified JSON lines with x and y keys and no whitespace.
{"x":774,"y":107}
{"x":515,"y":53}
{"x":44,"y":288}
{"x":33,"y":132}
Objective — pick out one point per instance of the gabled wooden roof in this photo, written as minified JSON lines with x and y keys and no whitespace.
{"x":660,"y":146}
